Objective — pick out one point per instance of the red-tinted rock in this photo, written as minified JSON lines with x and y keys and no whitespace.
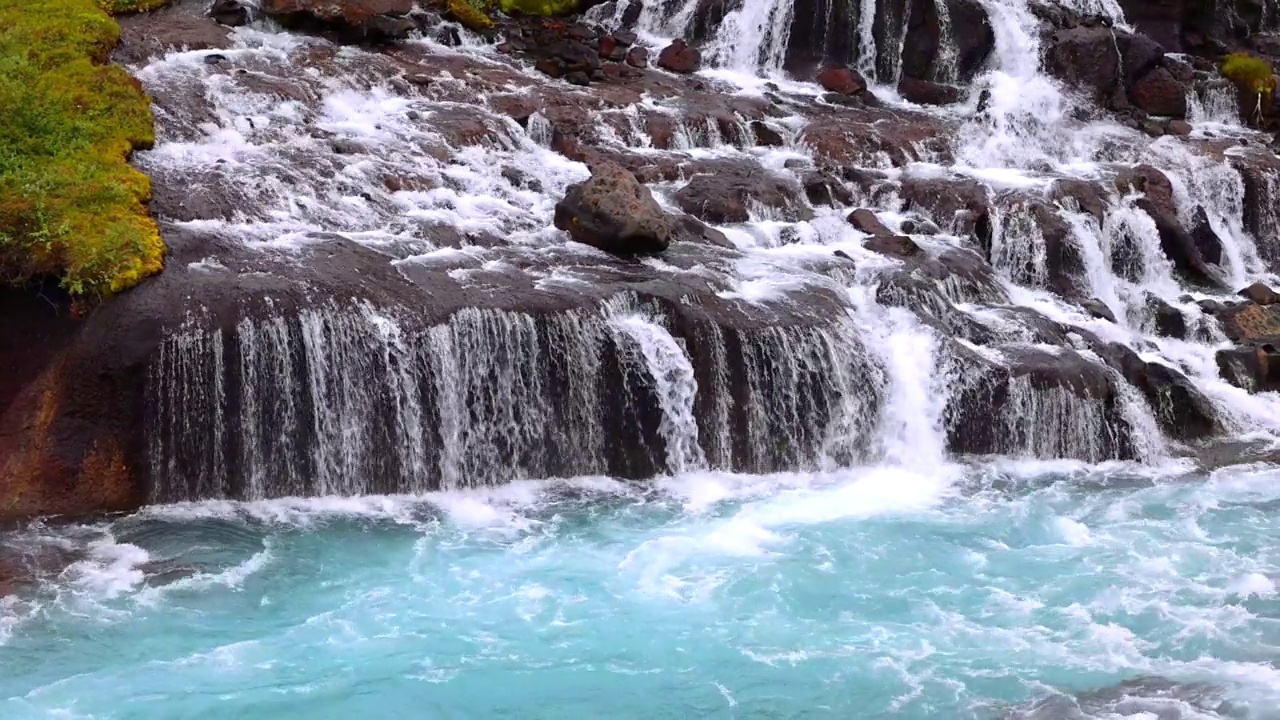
{"x":638,"y":57}
{"x":679,"y":57}
{"x":614,"y":212}
{"x":842,"y":80}
{"x":1159,"y":93}
{"x":866,"y":221}
{"x":356,"y":19}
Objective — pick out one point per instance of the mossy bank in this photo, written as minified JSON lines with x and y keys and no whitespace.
{"x":71,"y":207}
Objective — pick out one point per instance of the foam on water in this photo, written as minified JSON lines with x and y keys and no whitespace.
{"x":877,"y":591}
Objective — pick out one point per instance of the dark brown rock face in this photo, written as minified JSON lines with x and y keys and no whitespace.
{"x":727,"y":195}
{"x":1159,"y":93}
{"x":360,"y":20}
{"x":842,"y":80}
{"x":614,"y":212}
{"x":680,"y":57}
{"x":929,"y":93}
{"x":1260,"y":294}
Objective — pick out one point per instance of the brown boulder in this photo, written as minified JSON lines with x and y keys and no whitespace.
{"x":923,"y":92}
{"x":1254,"y":368}
{"x":614,"y":212}
{"x":842,"y":80}
{"x":899,"y":245}
{"x":866,"y":221}
{"x":1159,"y":93}
{"x":679,"y":57}
{"x":1260,"y":294}
{"x":1251,"y":323}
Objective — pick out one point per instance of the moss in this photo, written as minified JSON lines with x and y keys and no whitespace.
{"x":1252,"y":75}
{"x":543,"y":8}
{"x":70,"y":204}
{"x":470,"y":16}
{"x":121,"y":7}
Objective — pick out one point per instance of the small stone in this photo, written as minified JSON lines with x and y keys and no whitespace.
{"x":1179,"y":128}
{"x":229,"y":12}
{"x":578,"y":77}
{"x":549,"y":66}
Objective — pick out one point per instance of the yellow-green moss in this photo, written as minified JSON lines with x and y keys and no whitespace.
{"x":121,"y":7}
{"x":70,"y":204}
{"x":470,"y":15}
{"x":1252,"y":75}
{"x":544,"y":8}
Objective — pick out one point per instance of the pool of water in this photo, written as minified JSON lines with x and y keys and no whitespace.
{"x":1002,"y":591}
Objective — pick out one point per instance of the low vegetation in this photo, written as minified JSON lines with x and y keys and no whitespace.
{"x":70,"y":204}
{"x":1252,"y":75}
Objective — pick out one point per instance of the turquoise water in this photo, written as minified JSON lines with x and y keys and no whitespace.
{"x":1012,"y":591}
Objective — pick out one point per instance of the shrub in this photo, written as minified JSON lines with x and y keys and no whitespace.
{"x":1252,"y":75}
{"x":544,"y":8}
{"x":70,"y":204}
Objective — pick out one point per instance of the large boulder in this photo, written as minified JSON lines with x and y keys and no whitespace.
{"x":1255,"y":368}
{"x":1182,"y":411}
{"x":1159,"y":93}
{"x":361,"y":20}
{"x":1087,"y":59}
{"x":614,"y":212}
{"x":680,"y":57}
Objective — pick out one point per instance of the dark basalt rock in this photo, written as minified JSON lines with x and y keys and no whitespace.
{"x":766,"y":136}
{"x":1159,"y":93}
{"x":1186,"y":251}
{"x":899,"y":245}
{"x":1260,"y":294}
{"x":614,"y":212}
{"x":1168,"y":321}
{"x":727,"y":194}
{"x":1255,"y":368}
{"x":866,"y":221}
{"x":842,"y":81}
{"x":229,"y":12}
{"x":924,"y":92}
{"x":358,"y":20}
{"x":970,"y":32}
{"x":1249,"y":322}
{"x":1182,"y":411}
{"x":1099,"y":309}
{"x":821,"y":188}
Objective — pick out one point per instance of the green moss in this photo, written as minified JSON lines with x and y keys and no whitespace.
{"x":121,"y":7}
{"x":544,"y":8}
{"x":70,"y":204}
{"x":1252,"y":75}
{"x":471,"y":15}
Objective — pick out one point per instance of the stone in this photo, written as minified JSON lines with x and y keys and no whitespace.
{"x":765,"y":135}
{"x":1159,"y":93}
{"x":687,"y":228}
{"x":823,"y":189}
{"x":679,"y":57}
{"x":1251,"y":323}
{"x":924,"y":92}
{"x":1260,"y":294}
{"x":899,"y":245}
{"x":610,"y":48}
{"x":638,"y":57}
{"x":866,"y":221}
{"x":727,"y":194}
{"x":1181,"y":410}
{"x":1098,"y":309}
{"x":1185,"y":251}
{"x":969,"y":39}
{"x":1253,"y":368}
{"x":1178,"y":128}
{"x":359,"y":20}
{"x":612,"y":211}
{"x":229,"y":12}
{"x":842,"y":81}
{"x":1167,"y":319}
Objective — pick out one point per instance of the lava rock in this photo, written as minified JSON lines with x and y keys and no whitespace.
{"x":899,"y":245}
{"x":726,"y":195}
{"x":765,"y":135}
{"x":229,"y":12}
{"x":1260,"y":294}
{"x":1253,"y":368}
{"x":613,"y":212}
{"x":842,"y":81}
{"x":1159,"y":93}
{"x":1098,"y":309}
{"x":866,"y":221}
{"x":679,"y":57}
{"x":924,"y":92}
{"x":638,"y":57}
{"x":360,"y":20}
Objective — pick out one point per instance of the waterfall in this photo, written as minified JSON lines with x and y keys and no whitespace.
{"x":674,"y":383}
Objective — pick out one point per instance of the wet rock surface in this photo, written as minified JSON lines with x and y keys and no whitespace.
{"x":281,"y":196}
